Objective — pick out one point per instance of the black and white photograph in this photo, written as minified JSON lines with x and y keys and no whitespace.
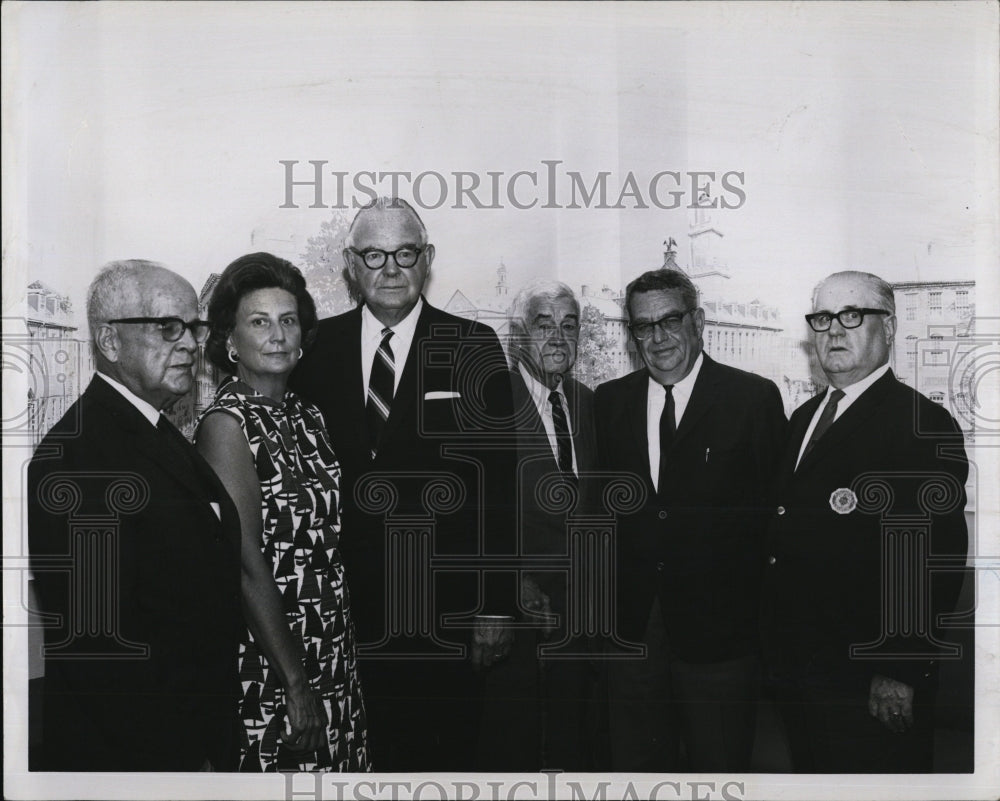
{"x":501,"y":400}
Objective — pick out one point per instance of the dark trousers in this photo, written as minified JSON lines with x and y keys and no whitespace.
{"x":422,"y":715}
{"x":830,"y":730}
{"x":538,"y":713}
{"x":661,"y":706}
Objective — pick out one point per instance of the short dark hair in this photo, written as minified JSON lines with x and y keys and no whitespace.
{"x":662,"y":281}
{"x":248,"y":274}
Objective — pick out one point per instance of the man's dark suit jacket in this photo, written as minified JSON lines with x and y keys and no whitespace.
{"x":696,"y":544}
{"x":823,"y":581}
{"x":177,"y":592}
{"x":542,"y":530}
{"x":450,"y":417}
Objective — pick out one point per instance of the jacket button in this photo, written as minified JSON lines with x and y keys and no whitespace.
{"x":659,"y":566}
{"x":781,"y":510}
{"x":771,"y":560}
{"x":662,"y":515}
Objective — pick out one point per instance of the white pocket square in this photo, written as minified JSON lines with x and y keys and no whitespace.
{"x":441,"y":395}
{"x":216,"y":508}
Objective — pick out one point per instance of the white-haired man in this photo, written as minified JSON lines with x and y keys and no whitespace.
{"x":135,"y":550}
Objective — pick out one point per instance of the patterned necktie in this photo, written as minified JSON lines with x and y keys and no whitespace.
{"x":564,"y":444}
{"x":381,"y":385}
{"x":668,"y":427}
{"x":825,"y":419}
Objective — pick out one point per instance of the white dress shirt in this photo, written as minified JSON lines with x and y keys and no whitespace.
{"x":656,"y":397}
{"x":402,"y":339}
{"x":540,"y":395}
{"x":146,"y":408}
{"x":851,"y":394}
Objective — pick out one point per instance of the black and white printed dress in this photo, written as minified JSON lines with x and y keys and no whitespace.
{"x":299,"y":480}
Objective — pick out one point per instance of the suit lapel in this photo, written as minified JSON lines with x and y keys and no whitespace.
{"x":637,"y":394}
{"x":355,"y":422}
{"x":796,"y":431}
{"x":702,"y":398}
{"x":149,"y":442}
{"x":405,"y":397}
{"x":843,"y":428}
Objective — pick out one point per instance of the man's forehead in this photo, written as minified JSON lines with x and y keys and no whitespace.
{"x":552,"y":309}
{"x":386,"y":227}
{"x":845,"y":292}
{"x":658,"y":301}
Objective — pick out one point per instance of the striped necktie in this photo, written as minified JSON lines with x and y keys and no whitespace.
{"x":381,"y":385}
{"x":564,"y":443}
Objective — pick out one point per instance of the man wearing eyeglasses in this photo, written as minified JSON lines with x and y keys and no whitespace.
{"x":418,"y":406}
{"x":851,"y":614}
{"x":135,"y":550}
{"x":705,"y":439}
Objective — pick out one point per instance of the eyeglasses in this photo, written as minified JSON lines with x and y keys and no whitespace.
{"x":171,"y":328}
{"x":375,"y":259}
{"x":668,"y":324}
{"x":848,"y":318}
{"x":566,"y":330}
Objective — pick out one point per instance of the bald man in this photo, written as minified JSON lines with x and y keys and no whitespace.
{"x":135,"y":550}
{"x":418,"y":406}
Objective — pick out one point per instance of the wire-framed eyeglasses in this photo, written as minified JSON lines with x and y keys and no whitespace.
{"x":848,"y":318}
{"x":171,"y":328}
{"x":375,"y":259}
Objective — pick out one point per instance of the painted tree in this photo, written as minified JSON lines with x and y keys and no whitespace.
{"x":595,"y":353}
{"x":323,"y":266}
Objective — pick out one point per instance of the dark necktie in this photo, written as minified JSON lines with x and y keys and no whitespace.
{"x":564,"y":443}
{"x":825,"y":419}
{"x":668,"y":427}
{"x":381,"y":385}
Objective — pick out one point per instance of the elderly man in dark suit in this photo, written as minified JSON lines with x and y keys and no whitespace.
{"x":135,"y":550}
{"x":871,"y":488}
{"x":705,"y":439}
{"x":546,"y":701}
{"x":418,"y":406}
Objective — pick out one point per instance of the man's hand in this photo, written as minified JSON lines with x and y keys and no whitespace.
{"x":491,"y":639}
{"x":536,"y":601}
{"x":891,"y":702}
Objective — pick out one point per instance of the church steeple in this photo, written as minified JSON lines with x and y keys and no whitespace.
{"x":670,"y":254}
{"x":501,"y":280}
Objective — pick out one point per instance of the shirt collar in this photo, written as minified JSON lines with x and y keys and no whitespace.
{"x":371,"y":328}
{"x":686,"y":384}
{"x":538,"y":391}
{"x":853,"y":391}
{"x":146,"y":409}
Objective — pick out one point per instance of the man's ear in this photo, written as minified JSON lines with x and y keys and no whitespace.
{"x":698,"y":315}
{"x":889,"y":325}
{"x":107,"y":343}
{"x":429,"y":255}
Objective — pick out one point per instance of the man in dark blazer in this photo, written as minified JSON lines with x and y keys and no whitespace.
{"x":870,"y":490}
{"x":135,"y":550}
{"x":417,"y":403}
{"x":705,"y":439}
{"x":548,"y":702}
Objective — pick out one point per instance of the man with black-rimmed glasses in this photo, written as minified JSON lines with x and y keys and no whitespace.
{"x":870,"y":489}
{"x":705,"y":439}
{"x":135,"y":550}
{"x":418,"y":406}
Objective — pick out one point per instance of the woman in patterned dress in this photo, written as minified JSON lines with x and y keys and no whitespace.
{"x":302,"y":707}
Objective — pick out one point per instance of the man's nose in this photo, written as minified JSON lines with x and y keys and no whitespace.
{"x":391,"y":267}
{"x":836,"y":328}
{"x":659,"y":335}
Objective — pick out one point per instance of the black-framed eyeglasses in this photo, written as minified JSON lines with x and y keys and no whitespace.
{"x":848,"y":318}
{"x":375,"y":259}
{"x":171,"y":328}
{"x":668,"y":324}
